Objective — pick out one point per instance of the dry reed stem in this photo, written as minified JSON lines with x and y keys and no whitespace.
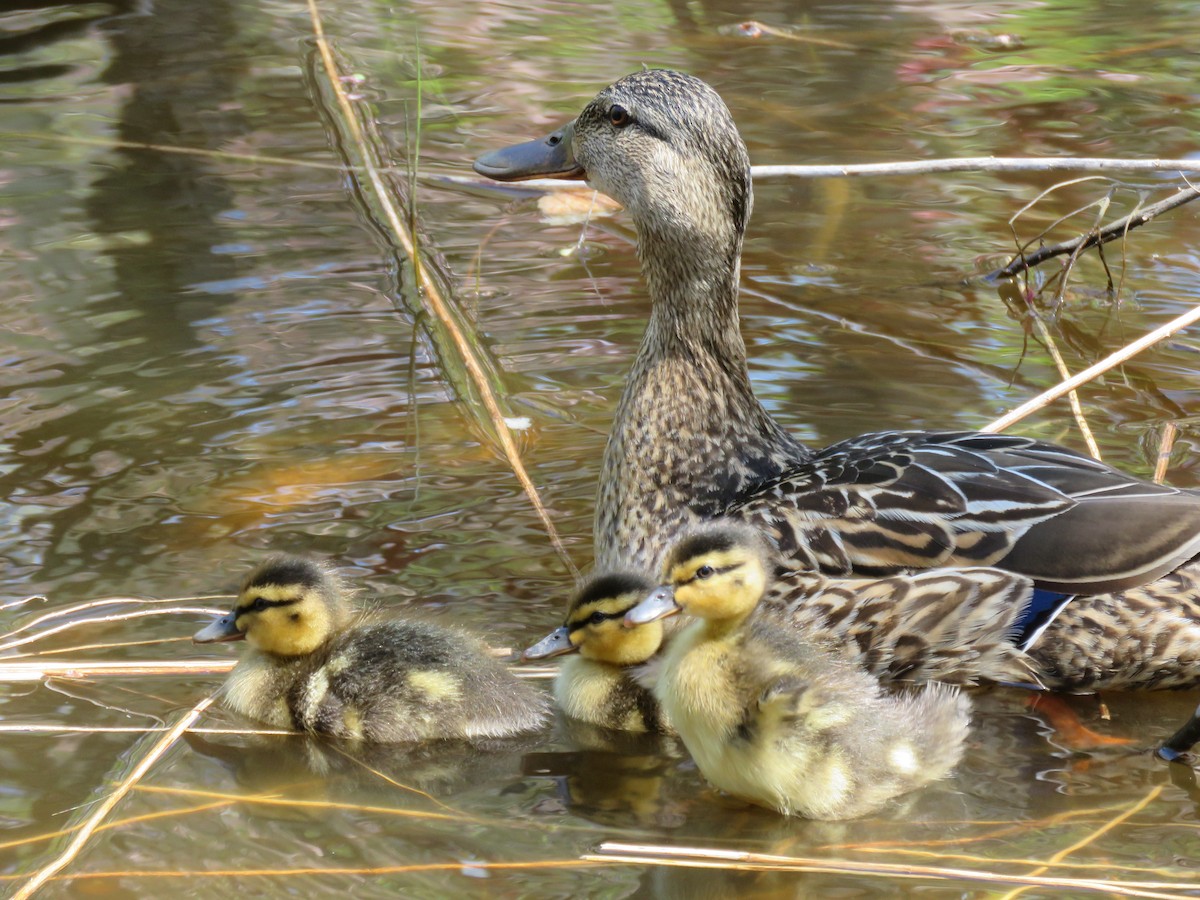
{"x":30,"y":670}
{"x":1005,"y":829}
{"x":93,"y":821}
{"x":1065,"y":373}
{"x":113,"y":144}
{"x":396,"y":784}
{"x":710,"y":857}
{"x":275,"y":800}
{"x":436,"y":301}
{"x":1091,"y":838}
{"x":106,"y":645}
{"x":38,"y":728}
{"x":118,"y":823}
{"x":1163,"y":459}
{"x":36,"y":671}
{"x":116,"y":617}
{"x":71,"y":609}
{"x":1109,"y":362}
{"x":456,"y":816}
{"x":1024,"y":861}
{"x":532,"y":865}
{"x":13,"y":604}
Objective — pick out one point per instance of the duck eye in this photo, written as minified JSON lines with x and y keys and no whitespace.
{"x":259,"y":604}
{"x":619,"y":116}
{"x":596,"y":618}
{"x":705,"y":572}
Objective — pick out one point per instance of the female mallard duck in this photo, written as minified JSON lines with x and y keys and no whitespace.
{"x":602,"y":683}
{"x":316,"y":664}
{"x":690,"y":442}
{"x":774,"y":718}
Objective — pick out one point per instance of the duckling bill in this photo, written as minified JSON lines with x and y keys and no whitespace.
{"x":315,"y":663}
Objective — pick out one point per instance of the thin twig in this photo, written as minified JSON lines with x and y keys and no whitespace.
{"x":1164,"y":452}
{"x":982,"y":164}
{"x":1110,"y":361}
{"x":1109,"y":232}
{"x":93,"y":821}
{"x":911,"y":167}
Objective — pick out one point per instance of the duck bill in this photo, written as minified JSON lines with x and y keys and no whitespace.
{"x":556,"y":643}
{"x":223,"y":628}
{"x":548,"y":157}
{"x":658,"y":605}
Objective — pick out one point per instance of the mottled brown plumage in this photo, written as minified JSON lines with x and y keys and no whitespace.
{"x":691,"y":443}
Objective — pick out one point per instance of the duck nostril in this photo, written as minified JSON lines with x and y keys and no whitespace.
{"x":554,"y":140}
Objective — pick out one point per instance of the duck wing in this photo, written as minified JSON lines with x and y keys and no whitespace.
{"x":888,"y":502}
{"x":955,"y":626}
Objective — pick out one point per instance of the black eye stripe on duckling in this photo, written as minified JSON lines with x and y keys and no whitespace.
{"x":596,"y":618}
{"x":713,"y":570}
{"x":261,"y":603}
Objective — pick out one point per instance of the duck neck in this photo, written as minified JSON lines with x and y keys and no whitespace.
{"x":693,"y":284}
{"x":689,"y":435}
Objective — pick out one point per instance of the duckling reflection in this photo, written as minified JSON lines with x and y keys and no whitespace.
{"x":773,"y":718}
{"x":607,"y":681}
{"x":616,"y":778}
{"x":317,"y":664}
{"x":306,"y":767}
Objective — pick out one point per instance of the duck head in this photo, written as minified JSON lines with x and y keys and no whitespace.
{"x":595,"y":624}
{"x":288,"y":606}
{"x":663,"y":145}
{"x":717,"y":573}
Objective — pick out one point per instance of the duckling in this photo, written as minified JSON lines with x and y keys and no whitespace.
{"x":603,"y":683}
{"x":774,"y":718}
{"x":317,"y":664}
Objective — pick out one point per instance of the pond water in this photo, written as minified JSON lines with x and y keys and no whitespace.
{"x":211,"y":352}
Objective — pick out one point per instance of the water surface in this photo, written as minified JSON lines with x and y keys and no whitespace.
{"x":208,"y":357}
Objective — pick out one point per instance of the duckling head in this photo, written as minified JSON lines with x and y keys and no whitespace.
{"x":718,"y":573}
{"x":288,"y":606}
{"x":595,"y":624}
{"x":659,"y":142}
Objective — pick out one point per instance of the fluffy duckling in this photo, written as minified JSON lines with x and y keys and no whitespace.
{"x":603,"y":683}
{"x":773,"y":718}
{"x":317,"y":664}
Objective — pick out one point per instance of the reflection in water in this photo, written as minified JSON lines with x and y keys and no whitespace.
{"x":308,"y":768}
{"x":615,"y":777}
{"x":203,"y":364}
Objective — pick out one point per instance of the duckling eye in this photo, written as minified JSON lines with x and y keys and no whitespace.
{"x":597,"y":617}
{"x":259,"y":604}
{"x":619,"y":117}
{"x":705,"y":572}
